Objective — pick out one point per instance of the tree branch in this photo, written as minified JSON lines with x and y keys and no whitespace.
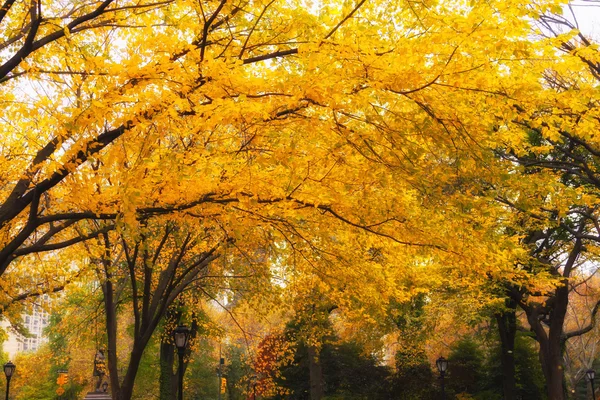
{"x":586,"y":329}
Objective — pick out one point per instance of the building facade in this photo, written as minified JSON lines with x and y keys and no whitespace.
{"x":35,"y":323}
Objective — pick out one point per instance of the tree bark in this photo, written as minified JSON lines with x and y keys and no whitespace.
{"x":168,"y":380}
{"x":315,"y":373}
{"x":546,"y":318}
{"x":550,"y":351}
{"x":507,"y":327}
{"x":111,"y":331}
{"x":134,"y":363}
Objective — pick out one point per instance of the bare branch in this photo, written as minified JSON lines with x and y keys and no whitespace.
{"x":586,"y":329}
{"x":347,"y":17}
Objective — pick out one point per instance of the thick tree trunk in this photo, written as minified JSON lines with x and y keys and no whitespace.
{"x":134,"y":363}
{"x":507,"y":327}
{"x":556,"y":338}
{"x":120,"y":390}
{"x":111,"y":331}
{"x":554,"y":372}
{"x":168,"y":380}
{"x":547,"y":320}
{"x":550,"y":352}
{"x":555,"y":379}
{"x":125,"y":390}
{"x":316,"y":374}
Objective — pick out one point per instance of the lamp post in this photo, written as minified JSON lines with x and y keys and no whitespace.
{"x":591,"y":374}
{"x":220,"y":372}
{"x":9,"y":370}
{"x":104,"y":386}
{"x":442,"y":366}
{"x":181,"y":335}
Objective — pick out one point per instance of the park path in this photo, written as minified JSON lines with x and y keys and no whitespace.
{"x":97,"y":396}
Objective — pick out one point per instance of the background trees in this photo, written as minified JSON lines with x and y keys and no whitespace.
{"x":351,"y":168}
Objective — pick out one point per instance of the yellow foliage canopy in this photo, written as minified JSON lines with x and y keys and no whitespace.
{"x":354,"y":138}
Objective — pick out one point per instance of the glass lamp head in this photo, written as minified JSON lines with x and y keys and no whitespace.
{"x":442,"y":365}
{"x":181,"y":335}
{"x":9,"y":369}
{"x":591,"y":374}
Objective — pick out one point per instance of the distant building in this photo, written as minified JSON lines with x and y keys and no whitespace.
{"x":35,"y":322}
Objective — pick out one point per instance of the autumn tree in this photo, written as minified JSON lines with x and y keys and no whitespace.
{"x":344,"y":137}
{"x":535,"y":158}
{"x":557,"y":150}
{"x":155,"y":268}
{"x":92,"y":98}
{"x":32,"y":33}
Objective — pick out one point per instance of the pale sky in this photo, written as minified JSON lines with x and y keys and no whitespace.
{"x":587,"y":13}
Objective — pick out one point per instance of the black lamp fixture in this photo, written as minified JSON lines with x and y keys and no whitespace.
{"x":9,"y":370}
{"x":591,"y":374}
{"x":442,"y":366}
{"x":104,"y":386}
{"x":181,"y":336}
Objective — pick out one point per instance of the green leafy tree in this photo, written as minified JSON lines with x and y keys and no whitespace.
{"x":465,"y":367}
{"x":201,"y":375}
{"x":413,"y":378}
{"x":347,"y":374}
{"x":528,"y":373}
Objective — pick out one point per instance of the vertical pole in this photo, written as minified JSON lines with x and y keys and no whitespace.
{"x":593,"y":391}
{"x":7,"y":387}
{"x":220,"y":371}
{"x":180,"y":394}
{"x":219,"y":386}
{"x":443,"y":389}
{"x":219,"y":374}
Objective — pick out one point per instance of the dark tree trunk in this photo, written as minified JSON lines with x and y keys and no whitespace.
{"x":111,"y":331}
{"x":507,"y":327}
{"x":168,"y":380}
{"x":547,"y":317}
{"x":134,"y":363}
{"x":557,"y":335}
{"x":316,"y":374}
{"x":120,"y":390}
{"x":150,"y":302}
{"x":550,"y":336}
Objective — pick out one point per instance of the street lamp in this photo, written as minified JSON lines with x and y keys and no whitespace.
{"x":591,"y":374}
{"x":181,"y":335}
{"x":9,"y":370}
{"x":442,"y":366}
{"x":105,"y":386}
{"x":220,"y":373}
